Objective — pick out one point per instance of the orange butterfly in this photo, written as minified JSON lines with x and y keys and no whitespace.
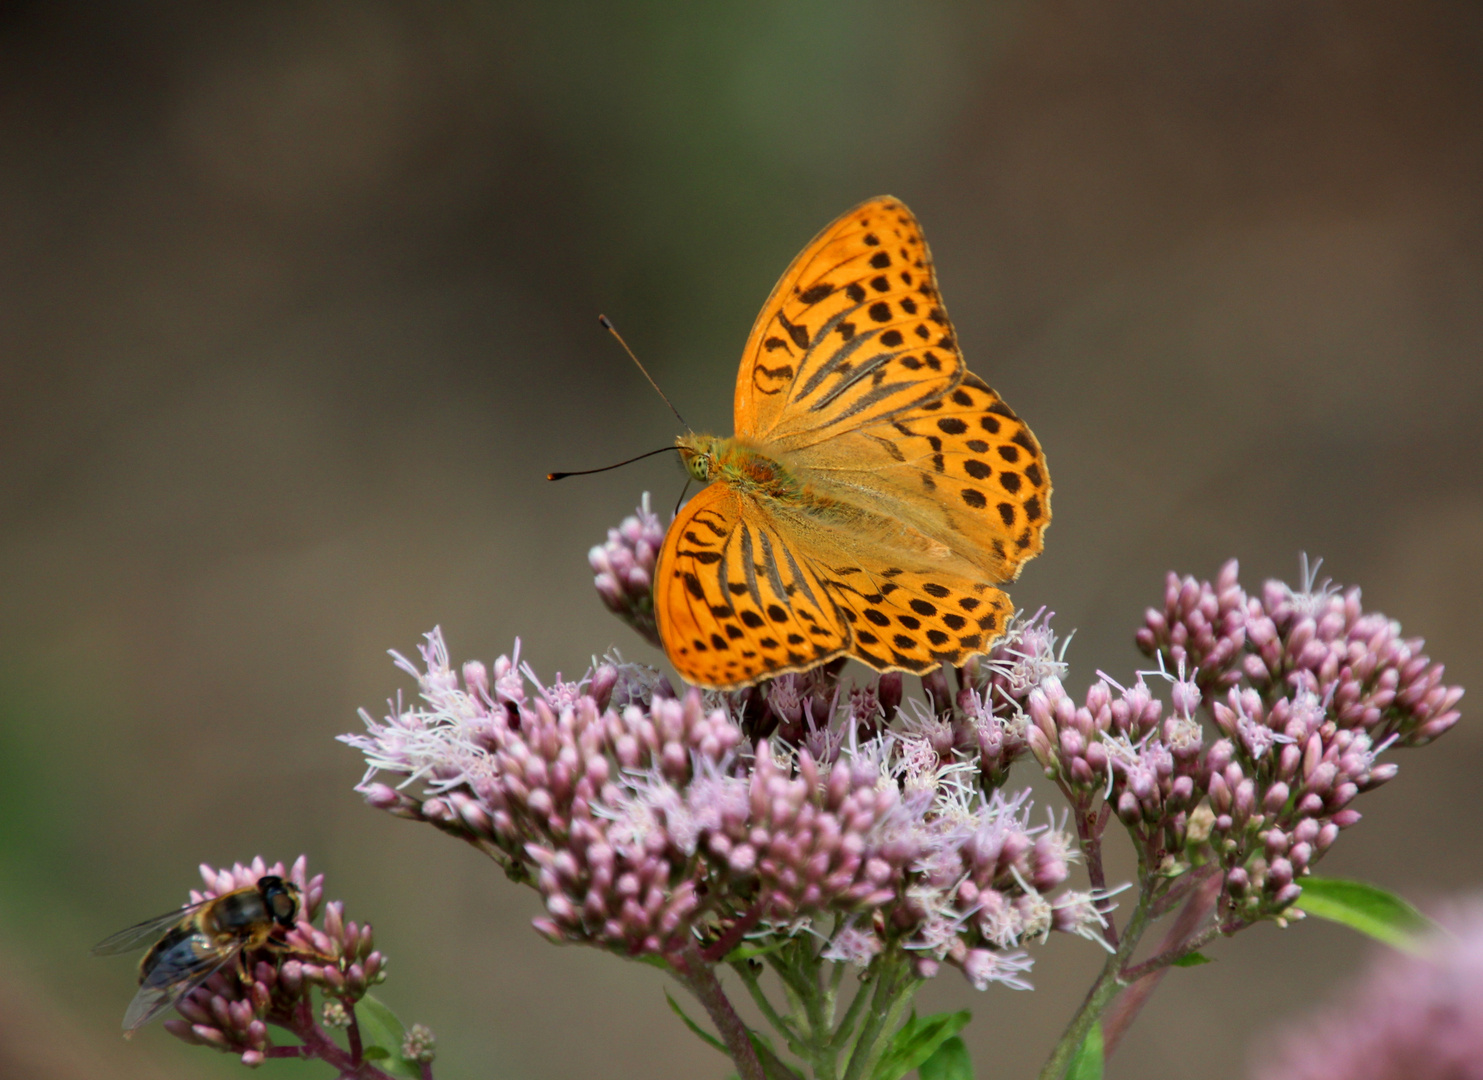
{"x":875,"y":490}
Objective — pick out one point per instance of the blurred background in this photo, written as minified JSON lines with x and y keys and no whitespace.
{"x":297,"y":308}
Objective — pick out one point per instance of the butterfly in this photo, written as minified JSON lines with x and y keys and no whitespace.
{"x":875,"y":491}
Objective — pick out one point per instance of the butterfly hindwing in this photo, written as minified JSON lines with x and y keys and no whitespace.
{"x":854,"y":332}
{"x":964,"y":469}
{"x":915,"y":620}
{"x":733,"y":600}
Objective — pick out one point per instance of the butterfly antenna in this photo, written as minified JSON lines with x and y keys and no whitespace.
{"x":607,"y":324}
{"x":605,"y":468}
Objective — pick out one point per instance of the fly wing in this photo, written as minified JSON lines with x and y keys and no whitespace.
{"x":180,"y":969}
{"x":145,"y":933}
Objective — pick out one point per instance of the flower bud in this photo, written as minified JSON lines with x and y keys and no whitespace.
{"x":1128,"y":808}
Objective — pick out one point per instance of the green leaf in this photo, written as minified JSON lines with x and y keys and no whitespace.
{"x":948,"y":1062}
{"x":1087,"y":1064}
{"x":748,"y":952}
{"x":1363,"y":907}
{"x":705,"y":1036}
{"x":381,"y":1035}
{"x":917,"y":1040}
{"x":1194,"y":959}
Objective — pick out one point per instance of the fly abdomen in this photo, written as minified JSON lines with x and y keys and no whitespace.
{"x":182,"y":949}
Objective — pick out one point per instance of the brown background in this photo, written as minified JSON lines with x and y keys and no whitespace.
{"x":297,"y":307}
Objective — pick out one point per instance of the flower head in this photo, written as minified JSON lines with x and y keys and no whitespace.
{"x":647,"y":825}
{"x":233,"y":1008}
{"x":1411,"y":1017}
{"x":624,"y":566}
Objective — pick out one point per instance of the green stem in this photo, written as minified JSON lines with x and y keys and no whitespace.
{"x":812,"y":997}
{"x":792,"y":990}
{"x":771,"y":1015}
{"x":1103,"y":990}
{"x":852,"y":1015}
{"x":816,"y":1008}
{"x":893,"y":993}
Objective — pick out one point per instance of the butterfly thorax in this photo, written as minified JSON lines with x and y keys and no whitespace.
{"x":743,"y":468}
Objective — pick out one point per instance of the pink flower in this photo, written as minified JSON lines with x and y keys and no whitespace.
{"x":1410,"y":1017}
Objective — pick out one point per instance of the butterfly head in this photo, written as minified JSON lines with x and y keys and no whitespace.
{"x":701,"y":455}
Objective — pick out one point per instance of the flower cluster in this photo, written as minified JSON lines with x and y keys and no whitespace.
{"x":806,"y":822}
{"x":232,"y":1009}
{"x":991,"y":716}
{"x":1116,"y":746}
{"x":1305,"y":690}
{"x":624,"y":566}
{"x":646,"y":821}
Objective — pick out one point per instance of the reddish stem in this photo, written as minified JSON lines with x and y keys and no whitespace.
{"x":1125,"y":1008}
{"x":1182,"y":888}
{"x":316,"y":1043}
{"x":1089,"y":828}
{"x":733,"y":937}
{"x":352,"y":1035}
{"x":1163,"y":960}
{"x":699,"y":977}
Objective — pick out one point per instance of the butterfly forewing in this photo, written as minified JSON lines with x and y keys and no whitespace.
{"x":734,"y":601}
{"x":853,"y":333}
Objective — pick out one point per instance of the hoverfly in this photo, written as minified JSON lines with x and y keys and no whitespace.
{"x":195,"y":941}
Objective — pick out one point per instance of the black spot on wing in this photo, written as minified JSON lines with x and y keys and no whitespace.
{"x":797,"y":332}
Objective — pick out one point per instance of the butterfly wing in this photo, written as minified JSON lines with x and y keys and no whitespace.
{"x":962,"y":469}
{"x":853,"y":333}
{"x":747,"y":589}
{"x":734,"y":602}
